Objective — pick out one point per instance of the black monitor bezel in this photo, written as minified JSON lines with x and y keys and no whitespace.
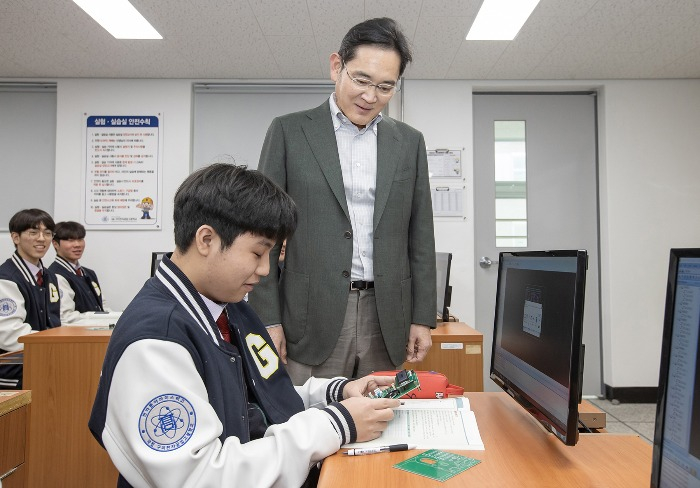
{"x":675,"y":256}
{"x":568,"y":433}
{"x":447,"y":295}
{"x":155,"y":260}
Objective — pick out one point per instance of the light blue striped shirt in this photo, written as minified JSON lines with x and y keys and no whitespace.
{"x":357,"y":149}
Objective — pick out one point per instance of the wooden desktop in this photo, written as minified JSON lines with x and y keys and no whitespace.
{"x":62,"y":368}
{"x":519,"y":452}
{"x":14,"y":419}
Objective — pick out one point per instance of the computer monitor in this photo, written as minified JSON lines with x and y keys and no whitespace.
{"x":676,"y":453}
{"x":443,"y":262}
{"x":536,"y":354}
{"x":156,"y":258}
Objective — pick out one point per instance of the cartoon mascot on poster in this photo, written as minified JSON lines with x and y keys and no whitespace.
{"x":146,"y":206}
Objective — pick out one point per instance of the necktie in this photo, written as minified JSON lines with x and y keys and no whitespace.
{"x":40,"y":278}
{"x":79,"y":271}
{"x":222,"y":323}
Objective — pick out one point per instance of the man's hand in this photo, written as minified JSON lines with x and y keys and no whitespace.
{"x":362,"y":386}
{"x":277,"y":335}
{"x":419,"y":342}
{"x":371,"y":415}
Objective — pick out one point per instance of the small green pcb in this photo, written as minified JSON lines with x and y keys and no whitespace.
{"x":437,"y":465}
{"x":405,"y":382}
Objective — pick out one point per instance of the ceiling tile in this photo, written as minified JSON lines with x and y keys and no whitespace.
{"x":567,"y":39}
{"x":287,"y":18}
{"x":433,"y":53}
{"x":474,"y":59}
{"x":296,"y":56}
{"x":451,"y":8}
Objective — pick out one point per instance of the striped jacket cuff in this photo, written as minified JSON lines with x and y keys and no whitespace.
{"x":334,"y":391}
{"x":342,"y":422}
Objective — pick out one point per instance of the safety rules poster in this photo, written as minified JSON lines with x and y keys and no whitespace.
{"x":122,"y":178}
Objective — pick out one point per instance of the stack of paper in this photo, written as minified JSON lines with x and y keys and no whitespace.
{"x":431,"y":424}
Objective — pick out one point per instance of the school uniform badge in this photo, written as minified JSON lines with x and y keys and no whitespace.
{"x":167,"y":422}
{"x":7,"y":307}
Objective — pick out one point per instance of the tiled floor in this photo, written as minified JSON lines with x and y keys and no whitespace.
{"x":628,"y":418}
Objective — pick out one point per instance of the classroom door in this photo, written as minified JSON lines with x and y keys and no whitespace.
{"x":559,"y":185}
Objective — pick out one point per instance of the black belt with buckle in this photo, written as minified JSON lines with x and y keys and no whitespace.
{"x":361,"y":285}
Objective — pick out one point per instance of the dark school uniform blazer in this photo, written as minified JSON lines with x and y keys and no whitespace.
{"x":42,"y":307}
{"x":300,"y":154}
{"x":88,"y":296}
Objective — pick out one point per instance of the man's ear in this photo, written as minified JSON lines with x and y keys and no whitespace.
{"x":336,"y":64}
{"x":15,"y":238}
{"x":204,"y":239}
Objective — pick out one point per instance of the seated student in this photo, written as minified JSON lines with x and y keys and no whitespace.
{"x":192,"y":391}
{"x":81,"y":295}
{"x":29,"y":298}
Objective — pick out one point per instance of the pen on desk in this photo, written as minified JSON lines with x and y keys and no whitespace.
{"x":375,"y":450}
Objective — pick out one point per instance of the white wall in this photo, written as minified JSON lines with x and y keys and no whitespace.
{"x":649,"y":173}
{"x":442,"y":110}
{"x":122,"y":258}
{"x":651,"y":203}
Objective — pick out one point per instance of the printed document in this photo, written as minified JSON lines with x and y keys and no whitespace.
{"x":431,"y":424}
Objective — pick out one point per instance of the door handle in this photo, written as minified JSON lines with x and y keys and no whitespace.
{"x":485,"y":262}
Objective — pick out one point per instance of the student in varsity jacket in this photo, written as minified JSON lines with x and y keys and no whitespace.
{"x":192,"y":391}
{"x":29,"y":297}
{"x":81,"y":295}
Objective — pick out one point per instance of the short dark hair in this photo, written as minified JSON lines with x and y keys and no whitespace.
{"x":234,"y":201}
{"x":30,"y":218}
{"x":68,"y":230}
{"x":383,"y":32}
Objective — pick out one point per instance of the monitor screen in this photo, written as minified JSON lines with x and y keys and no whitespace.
{"x":536,"y":355}
{"x":676,"y":458}
{"x":443,"y":261}
{"x":156,"y":257}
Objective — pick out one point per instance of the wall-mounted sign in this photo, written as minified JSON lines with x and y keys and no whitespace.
{"x":122,"y":176}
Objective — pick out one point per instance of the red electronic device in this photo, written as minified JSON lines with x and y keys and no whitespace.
{"x":432,"y":385}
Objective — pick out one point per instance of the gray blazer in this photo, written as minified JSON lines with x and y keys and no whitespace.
{"x":300,"y":154}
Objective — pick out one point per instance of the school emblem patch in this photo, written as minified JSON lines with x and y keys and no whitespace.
{"x":7,"y":307}
{"x":167,"y":422}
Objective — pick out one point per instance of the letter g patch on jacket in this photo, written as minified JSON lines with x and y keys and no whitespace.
{"x":265,"y":357}
{"x":167,"y":422}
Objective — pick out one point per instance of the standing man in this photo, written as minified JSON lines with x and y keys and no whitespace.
{"x":358,"y":291}
{"x":29,"y":298}
{"x":81,"y":295}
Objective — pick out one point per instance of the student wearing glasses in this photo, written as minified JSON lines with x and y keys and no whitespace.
{"x":29,"y":298}
{"x":358,"y":289}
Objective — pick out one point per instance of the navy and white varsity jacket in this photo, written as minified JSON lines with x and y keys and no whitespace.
{"x":24,"y":306}
{"x":172,"y":406}
{"x":87,"y":295}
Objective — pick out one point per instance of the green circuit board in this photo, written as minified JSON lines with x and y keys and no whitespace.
{"x":405,"y":382}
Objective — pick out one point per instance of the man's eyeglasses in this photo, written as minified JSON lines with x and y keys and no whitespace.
{"x":34,"y":234}
{"x":385,"y":89}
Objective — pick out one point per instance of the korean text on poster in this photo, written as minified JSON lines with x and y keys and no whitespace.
{"x":122,"y":177}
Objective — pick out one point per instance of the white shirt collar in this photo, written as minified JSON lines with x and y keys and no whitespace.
{"x":339,"y":117}
{"x":33,"y":268}
{"x":215,"y":309}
